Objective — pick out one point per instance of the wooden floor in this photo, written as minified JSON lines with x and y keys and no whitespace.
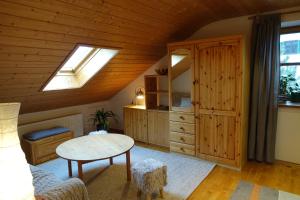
{"x":221,"y":182}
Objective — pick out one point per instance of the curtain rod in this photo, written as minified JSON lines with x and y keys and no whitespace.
{"x":283,"y":13}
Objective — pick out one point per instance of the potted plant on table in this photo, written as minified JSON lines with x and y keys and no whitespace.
{"x":101,"y":119}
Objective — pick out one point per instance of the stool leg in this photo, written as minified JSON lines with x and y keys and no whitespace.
{"x":139,"y":193}
{"x":161,"y":191}
{"x":148,"y":196}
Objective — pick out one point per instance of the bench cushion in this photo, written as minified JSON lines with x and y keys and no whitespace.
{"x":37,"y":135}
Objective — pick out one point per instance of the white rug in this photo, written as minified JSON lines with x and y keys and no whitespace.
{"x":184,"y":175}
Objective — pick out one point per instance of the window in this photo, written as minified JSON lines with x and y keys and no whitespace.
{"x":83,"y":63}
{"x":290,"y":65}
{"x":175,"y":59}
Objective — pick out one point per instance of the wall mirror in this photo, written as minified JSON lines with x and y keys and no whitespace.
{"x":181,"y":79}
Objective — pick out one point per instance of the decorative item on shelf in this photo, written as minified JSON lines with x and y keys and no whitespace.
{"x":14,"y":169}
{"x":139,"y":93}
{"x":162,"y":71}
{"x":101,"y":119}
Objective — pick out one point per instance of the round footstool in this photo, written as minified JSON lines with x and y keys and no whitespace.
{"x":150,"y":176}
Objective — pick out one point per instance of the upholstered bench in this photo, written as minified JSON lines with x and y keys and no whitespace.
{"x":39,"y":146}
{"x":150,"y":176}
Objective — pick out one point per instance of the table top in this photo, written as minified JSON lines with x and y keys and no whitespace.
{"x":95,"y":147}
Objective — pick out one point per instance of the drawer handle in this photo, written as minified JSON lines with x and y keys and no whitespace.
{"x":181,"y":117}
{"x":182,"y":128}
{"x":182,"y":139}
{"x":182,"y":149}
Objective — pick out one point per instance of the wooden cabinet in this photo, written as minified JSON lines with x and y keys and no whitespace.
{"x":135,"y":123}
{"x":218,"y":100}
{"x":158,"y":127}
{"x":148,"y":126}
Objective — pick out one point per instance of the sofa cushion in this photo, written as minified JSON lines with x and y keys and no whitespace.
{"x":42,"y":180}
{"x":47,"y":186}
{"x":37,"y":135}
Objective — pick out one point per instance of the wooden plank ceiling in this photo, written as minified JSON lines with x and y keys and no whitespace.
{"x":36,"y":36}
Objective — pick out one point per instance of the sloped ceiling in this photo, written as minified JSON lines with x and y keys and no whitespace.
{"x":37,"y":35}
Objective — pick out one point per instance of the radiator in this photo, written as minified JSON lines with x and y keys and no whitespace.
{"x":73,"y":122}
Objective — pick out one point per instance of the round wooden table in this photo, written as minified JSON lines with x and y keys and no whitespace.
{"x":91,"y":148}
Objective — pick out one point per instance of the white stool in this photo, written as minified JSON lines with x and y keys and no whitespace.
{"x":150,"y":176}
{"x":98,"y":132}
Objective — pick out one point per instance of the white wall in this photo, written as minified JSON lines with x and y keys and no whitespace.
{"x":86,"y":110}
{"x":127,"y":95}
{"x":183,"y":82}
{"x":288,"y":133}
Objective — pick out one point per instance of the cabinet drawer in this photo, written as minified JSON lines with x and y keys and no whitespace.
{"x":48,"y":148}
{"x":182,"y":148}
{"x":182,"y":138}
{"x":182,"y":117}
{"x":182,"y":127}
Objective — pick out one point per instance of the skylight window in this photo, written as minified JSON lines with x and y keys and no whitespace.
{"x":77,"y":57}
{"x":80,"y":67}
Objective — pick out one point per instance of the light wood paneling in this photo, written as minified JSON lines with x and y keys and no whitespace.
{"x":219,"y":97}
{"x":158,"y":127}
{"x":135,"y":123}
{"x":36,"y":36}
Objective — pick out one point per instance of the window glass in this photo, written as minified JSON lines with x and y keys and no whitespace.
{"x":289,"y":79}
{"x":77,"y":57}
{"x":290,"y":48}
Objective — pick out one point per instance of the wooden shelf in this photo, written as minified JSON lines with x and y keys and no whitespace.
{"x":154,"y":91}
{"x":289,"y":104}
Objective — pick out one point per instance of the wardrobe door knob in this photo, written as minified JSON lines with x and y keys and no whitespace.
{"x":181,"y":117}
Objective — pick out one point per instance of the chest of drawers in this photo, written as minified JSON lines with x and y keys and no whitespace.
{"x":182,"y":132}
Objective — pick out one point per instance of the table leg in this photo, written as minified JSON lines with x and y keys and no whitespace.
{"x":111,"y":161}
{"x":128,"y":165}
{"x":70,"y":168}
{"x":80,"y":170}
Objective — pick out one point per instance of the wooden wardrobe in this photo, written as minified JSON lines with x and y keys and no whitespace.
{"x":217,"y":98}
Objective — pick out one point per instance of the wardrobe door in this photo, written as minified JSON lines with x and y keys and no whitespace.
{"x":218,"y":96}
